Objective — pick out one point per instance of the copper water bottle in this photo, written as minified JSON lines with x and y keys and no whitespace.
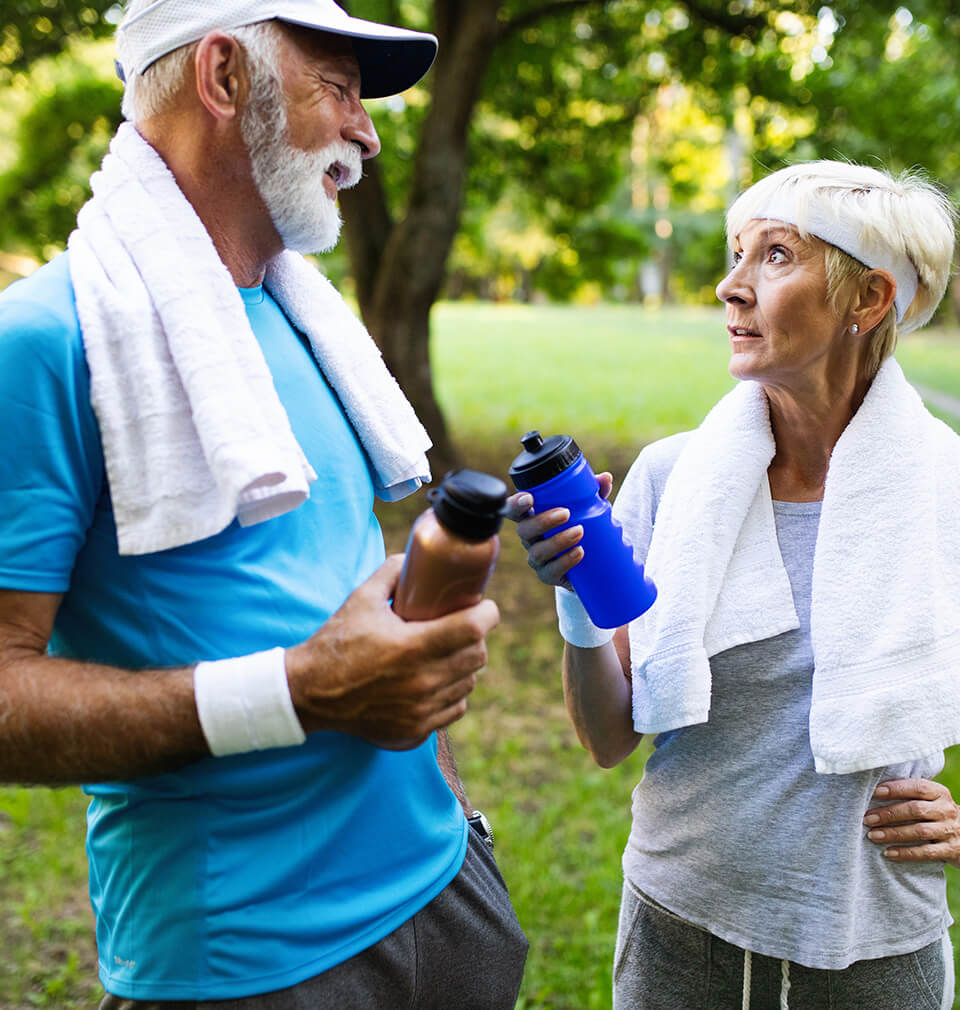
{"x":453,"y":547}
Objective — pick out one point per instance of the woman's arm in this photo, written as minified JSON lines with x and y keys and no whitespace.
{"x":596,"y":684}
{"x":598,"y":693}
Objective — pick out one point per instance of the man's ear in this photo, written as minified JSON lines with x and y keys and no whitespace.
{"x":221,"y":74}
{"x":877,"y":292}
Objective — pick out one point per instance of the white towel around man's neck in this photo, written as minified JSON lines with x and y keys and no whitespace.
{"x":885,"y":618}
{"x":194,"y":434}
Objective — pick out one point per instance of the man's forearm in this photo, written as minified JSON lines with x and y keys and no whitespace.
{"x":64,"y":722}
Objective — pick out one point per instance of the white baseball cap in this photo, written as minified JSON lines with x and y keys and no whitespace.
{"x":391,"y":59}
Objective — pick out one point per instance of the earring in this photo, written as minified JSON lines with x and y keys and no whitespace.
{"x":854,"y":329}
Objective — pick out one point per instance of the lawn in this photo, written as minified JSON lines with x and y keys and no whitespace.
{"x":615,"y":378}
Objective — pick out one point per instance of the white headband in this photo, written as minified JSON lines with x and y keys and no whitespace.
{"x":845,"y":235}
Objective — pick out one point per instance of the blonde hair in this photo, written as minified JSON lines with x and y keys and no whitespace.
{"x":904,"y":216}
{"x":153,"y":92}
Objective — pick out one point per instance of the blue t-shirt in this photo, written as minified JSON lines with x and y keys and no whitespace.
{"x":241,"y":875}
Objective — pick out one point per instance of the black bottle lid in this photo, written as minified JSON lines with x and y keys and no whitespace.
{"x":542,"y":459}
{"x":469,"y":503}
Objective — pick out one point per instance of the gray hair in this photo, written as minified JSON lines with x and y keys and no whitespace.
{"x":153,"y":92}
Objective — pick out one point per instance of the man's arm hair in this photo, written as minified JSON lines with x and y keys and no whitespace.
{"x":365,"y":672}
{"x":65,"y":722}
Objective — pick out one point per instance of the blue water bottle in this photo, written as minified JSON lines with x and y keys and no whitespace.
{"x":608,"y":580}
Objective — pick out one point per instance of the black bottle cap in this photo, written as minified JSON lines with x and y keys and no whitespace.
{"x":469,"y":503}
{"x":542,"y":459}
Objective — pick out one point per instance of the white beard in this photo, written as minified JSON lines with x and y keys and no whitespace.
{"x":290,"y":180}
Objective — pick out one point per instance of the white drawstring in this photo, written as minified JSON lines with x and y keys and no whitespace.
{"x":748,"y":978}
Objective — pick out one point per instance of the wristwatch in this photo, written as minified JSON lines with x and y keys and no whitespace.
{"x":478,"y":821}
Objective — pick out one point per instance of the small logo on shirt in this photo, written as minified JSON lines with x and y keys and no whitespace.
{"x":123,"y":963}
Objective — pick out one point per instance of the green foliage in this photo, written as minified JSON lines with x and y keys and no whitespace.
{"x":552,"y":202}
{"x":891,"y":90}
{"x":38,"y":28}
{"x":554,"y":129}
{"x":60,"y":140}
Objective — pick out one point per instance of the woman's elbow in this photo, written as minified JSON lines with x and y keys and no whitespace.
{"x":608,"y":753}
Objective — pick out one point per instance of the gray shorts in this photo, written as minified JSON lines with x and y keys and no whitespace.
{"x":465,"y":950}
{"x":663,"y":962}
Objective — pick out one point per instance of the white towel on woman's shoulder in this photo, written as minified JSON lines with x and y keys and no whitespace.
{"x":885,"y":617}
{"x":194,"y":434}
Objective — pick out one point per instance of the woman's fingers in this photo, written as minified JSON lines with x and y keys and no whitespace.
{"x":544,"y":550}
{"x":941,"y":853}
{"x":518,"y":505}
{"x":920,"y":822}
{"x":538,"y":527}
{"x":922,"y":789}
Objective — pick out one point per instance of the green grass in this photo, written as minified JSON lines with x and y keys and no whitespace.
{"x":47,"y":953}
{"x":610,"y":375}
{"x":615,"y":378}
{"x":932,"y":358}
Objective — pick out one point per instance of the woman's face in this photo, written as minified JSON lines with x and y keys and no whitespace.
{"x":783,"y":332}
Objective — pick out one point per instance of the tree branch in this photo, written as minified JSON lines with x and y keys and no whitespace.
{"x":538,"y":14}
{"x":732,"y":24}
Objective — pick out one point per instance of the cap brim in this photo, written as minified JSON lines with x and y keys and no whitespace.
{"x":391,"y":60}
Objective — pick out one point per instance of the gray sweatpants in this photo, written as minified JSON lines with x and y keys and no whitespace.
{"x":665,"y":963}
{"x":465,"y":950}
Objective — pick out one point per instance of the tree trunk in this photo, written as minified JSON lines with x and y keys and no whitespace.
{"x":399,"y":266}
{"x":367,"y":224}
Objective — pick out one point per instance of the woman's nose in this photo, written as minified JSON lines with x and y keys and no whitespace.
{"x":734,"y":288}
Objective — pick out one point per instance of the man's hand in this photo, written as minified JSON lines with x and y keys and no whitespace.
{"x":368,"y":673}
{"x":921,"y":821}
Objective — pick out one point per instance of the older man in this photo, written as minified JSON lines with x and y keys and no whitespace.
{"x":195,"y":608}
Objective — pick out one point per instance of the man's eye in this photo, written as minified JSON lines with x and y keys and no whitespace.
{"x":737,"y":257}
{"x":343,"y":90}
{"x":778,"y":254}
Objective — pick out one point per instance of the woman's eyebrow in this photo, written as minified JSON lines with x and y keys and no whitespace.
{"x":779,"y":231}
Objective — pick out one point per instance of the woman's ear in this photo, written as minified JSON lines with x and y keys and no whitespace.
{"x":877,"y":291}
{"x":221,"y":75}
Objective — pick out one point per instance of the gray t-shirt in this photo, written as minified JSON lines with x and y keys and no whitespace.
{"x":734,"y":830}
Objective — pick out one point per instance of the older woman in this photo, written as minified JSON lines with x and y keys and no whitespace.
{"x":801,"y":665}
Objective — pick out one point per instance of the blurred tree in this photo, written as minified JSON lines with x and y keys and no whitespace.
{"x":36,"y":28}
{"x":538,"y":94}
{"x":61,"y":139}
{"x":889,"y":87}
{"x":530,"y":113}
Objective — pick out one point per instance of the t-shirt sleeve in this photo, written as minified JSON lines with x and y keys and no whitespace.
{"x":637,"y":501}
{"x":51,"y":466}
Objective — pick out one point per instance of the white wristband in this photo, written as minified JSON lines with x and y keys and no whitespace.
{"x":575,"y":624}
{"x":244,"y":704}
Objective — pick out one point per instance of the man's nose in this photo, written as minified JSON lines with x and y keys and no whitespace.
{"x":358,"y":129}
